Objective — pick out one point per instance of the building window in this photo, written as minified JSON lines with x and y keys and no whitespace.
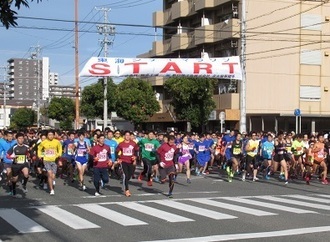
{"x":20,"y":86}
{"x":20,"y":62}
{"x":20,"y":93}
{"x":311,"y":57}
{"x":310,"y":93}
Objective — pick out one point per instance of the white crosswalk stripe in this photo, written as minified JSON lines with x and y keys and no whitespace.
{"x":270,"y":205}
{"x":295,"y":202}
{"x":169,"y":217}
{"x":242,"y":209}
{"x":195,"y":210}
{"x":167,"y":210}
{"x":311,"y":199}
{"x":21,"y":222}
{"x":67,"y":218}
{"x":111,"y":215}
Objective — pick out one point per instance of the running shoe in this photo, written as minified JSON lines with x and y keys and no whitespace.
{"x":170,"y":195}
{"x":325,"y":182}
{"x":281,"y":176}
{"x":267,"y":177}
{"x":230,"y":179}
{"x":97,"y":194}
{"x":140,"y":178}
{"x":307,"y":179}
{"x":52,"y":192}
{"x":127,"y":193}
{"x":188,"y":181}
{"x":149,"y":183}
{"x":24,"y":189}
{"x":231,"y":174}
{"x":286,"y":182}
{"x":255,"y":179}
{"x":156,"y":179}
{"x":84,"y":188}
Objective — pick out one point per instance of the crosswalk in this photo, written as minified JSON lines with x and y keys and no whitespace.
{"x":171,"y":211}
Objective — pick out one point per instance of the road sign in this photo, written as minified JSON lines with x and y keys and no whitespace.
{"x":297,"y":112}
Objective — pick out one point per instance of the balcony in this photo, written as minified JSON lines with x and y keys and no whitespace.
{"x":227,"y":30}
{"x":204,"y":34}
{"x":181,"y":9}
{"x":182,"y":41}
{"x":161,"y":18}
{"x":160,"y":48}
{"x":202,"y":4}
{"x":226,"y":101}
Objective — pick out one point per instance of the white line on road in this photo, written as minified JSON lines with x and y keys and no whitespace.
{"x":228,"y":237}
{"x":295,"y":202}
{"x":21,"y":222}
{"x":170,"y":217}
{"x":269,"y":205}
{"x":195,"y":210}
{"x":255,"y":212}
{"x":310,"y":199}
{"x":67,"y":218}
{"x":111,"y":215}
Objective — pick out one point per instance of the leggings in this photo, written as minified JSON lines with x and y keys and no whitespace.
{"x":128,"y":170}
{"x":147,"y":168}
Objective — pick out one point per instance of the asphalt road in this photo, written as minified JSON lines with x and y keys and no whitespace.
{"x":208,"y":209}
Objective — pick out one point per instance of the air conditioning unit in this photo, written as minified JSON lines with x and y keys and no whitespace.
{"x":233,"y":43}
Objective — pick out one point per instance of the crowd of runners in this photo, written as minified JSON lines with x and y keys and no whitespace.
{"x":162,"y":157}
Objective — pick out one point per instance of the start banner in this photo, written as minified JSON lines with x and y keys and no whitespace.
{"x":224,"y":68}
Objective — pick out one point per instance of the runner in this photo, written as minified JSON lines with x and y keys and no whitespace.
{"x":166,"y":155}
{"x":69,"y":156}
{"x":319,"y":152}
{"x":5,"y":145}
{"x":81,"y":158}
{"x":19,"y":153}
{"x":50,"y":150}
{"x":100,"y":153}
{"x":127,"y":153}
{"x":266,"y":152}
{"x":148,"y":148}
{"x":203,"y":151}
{"x":237,"y":152}
{"x":184,"y":157}
{"x":298,"y":152}
{"x":252,"y":152}
{"x":280,"y":149}
{"x":109,"y":141}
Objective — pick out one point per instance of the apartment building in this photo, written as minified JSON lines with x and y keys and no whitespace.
{"x":287,"y":59}
{"x":28,"y":78}
{"x":63,"y":91}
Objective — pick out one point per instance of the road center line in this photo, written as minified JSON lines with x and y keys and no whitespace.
{"x":228,"y":237}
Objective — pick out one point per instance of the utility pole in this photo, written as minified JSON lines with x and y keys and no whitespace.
{"x":35,"y":55}
{"x":4,"y":96}
{"x":107,"y":31}
{"x":243,"y":65}
{"x":76,"y":62}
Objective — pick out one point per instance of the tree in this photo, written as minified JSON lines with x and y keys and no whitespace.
{"x":192,"y":98}
{"x":136,"y":100}
{"x":92,"y":99}
{"x":22,"y":118}
{"x":7,"y":15}
{"x":63,"y":110}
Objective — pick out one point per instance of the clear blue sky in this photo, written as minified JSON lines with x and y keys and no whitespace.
{"x":129,"y":41}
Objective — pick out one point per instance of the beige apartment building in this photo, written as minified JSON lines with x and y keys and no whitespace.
{"x":287,"y":59}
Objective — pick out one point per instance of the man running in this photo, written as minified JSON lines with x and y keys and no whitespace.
{"x":19,"y":154}
{"x":50,"y":150}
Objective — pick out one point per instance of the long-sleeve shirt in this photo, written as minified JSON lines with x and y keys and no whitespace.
{"x":126,"y":150}
{"x":102,"y":153}
{"x":5,"y":145}
{"x":50,"y":150}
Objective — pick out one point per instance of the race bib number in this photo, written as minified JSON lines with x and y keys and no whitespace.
{"x":81,"y":152}
{"x":20,"y":159}
{"x":237,"y":151}
{"x":128,"y":151}
{"x":149,"y":147}
{"x":50,"y":153}
{"x":102,"y":156}
{"x":169,"y":156}
{"x":320,"y":154}
{"x":70,"y":149}
{"x":201,"y":148}
{"x":112,"y":149}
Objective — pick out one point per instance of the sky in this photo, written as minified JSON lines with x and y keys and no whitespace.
{"x":56,"y":38}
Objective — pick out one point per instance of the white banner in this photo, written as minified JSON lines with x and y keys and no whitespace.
{"x":223,"y":68}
